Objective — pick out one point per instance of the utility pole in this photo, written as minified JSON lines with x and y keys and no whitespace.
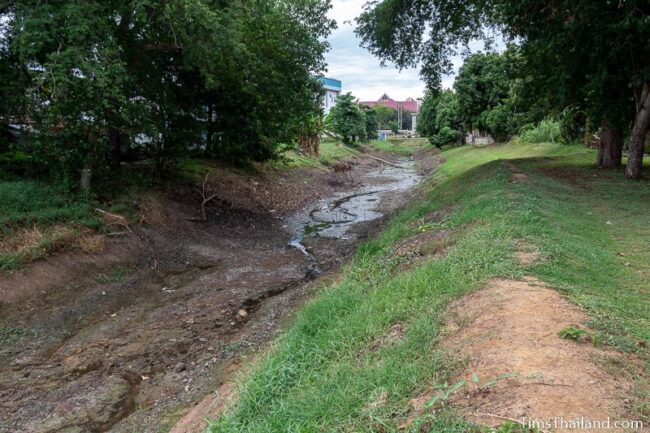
{"x":399,"y":117}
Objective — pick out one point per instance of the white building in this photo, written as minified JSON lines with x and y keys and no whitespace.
{"x":332,"y":92}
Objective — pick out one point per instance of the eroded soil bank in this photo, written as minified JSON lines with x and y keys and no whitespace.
{"x":523,"y":370}
{"x":132,"y":339}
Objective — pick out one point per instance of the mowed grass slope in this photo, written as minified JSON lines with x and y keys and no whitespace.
{"x":340,"y":368}
{"x":332,"y":151}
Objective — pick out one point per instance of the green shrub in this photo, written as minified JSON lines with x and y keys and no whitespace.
{"x":29,"y":202}
{"x":16,"y":163}
{"x":573,"y":124}
{"x":11,"y":335}
{"x":547,"y":131}
{"x":498,"y":122}
{"x":446,"y":135}
{"x":572,"y":333}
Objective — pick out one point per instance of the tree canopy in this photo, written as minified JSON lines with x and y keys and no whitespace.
{"x":487,"y":97}
{"x":440,"y":118}
{"x":104,"y":80}
{"x":372,"y":126}
{"x":481,"y":85}
{"x":348,"y":119}
{"x":387,"y":116}
{"x":593,"y":55}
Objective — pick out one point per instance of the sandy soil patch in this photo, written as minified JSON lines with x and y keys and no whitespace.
{"x":211,"y":407}
{"x":509,"y":333}
{"x":519,"y":177}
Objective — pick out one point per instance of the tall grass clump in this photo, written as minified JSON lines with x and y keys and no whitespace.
{"x":547,"y":131}
{"x":24,"y":203}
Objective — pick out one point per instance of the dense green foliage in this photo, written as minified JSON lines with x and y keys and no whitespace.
{"x":494,"y":95}
{"x":546,"y":131}
{"x":387,"y":117}
{"x":440,"y":118}
{"x":336,"y":360}
{"x":372,"y":126}
{"x":592,"y":56}
{"x":427,"y":115}
{"x":487,"y":97}
{"x":29,"y":202}
{"x":36,"y":219}
{"x":348,"y":119}
{"x":104,"y":82}
{"x":481,"y":85}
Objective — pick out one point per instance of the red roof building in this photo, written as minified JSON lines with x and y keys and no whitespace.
{"x":410,"y":104}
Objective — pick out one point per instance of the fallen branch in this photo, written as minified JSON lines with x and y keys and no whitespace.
{"x":126,"y":226}
{"x":206,"y":199}
{"x":119,"y":221}
{"x":112,"y":215}
{"x":128,"y":232}
{"x":118,"y":234}
{"x":385,"y":162}
{"x":114,"y":219}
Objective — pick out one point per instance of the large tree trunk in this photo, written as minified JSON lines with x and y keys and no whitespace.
{"x":610,"y":151}
{"x":87,"y":169}
{"x":634,"y":167}
{"x":86,"y":176}
{"x":309,"y":144}
{"x":209,"y":145}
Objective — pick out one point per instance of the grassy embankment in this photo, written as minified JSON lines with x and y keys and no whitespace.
{"x":400,"y":146}
{"x":332,"y":151}
{"x":333,"y":362}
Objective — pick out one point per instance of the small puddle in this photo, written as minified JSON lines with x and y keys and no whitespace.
{"x":334,"y":216}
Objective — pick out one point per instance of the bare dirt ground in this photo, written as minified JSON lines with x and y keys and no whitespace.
{"x":134,"y":338}
{"x":509,"y":333}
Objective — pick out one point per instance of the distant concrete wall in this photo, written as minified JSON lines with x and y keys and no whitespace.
{"x":479,"y":139}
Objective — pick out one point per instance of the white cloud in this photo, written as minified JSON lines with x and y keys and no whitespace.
{"x":361,"y":72}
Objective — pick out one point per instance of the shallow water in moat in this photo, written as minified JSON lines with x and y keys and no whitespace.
{"x":334,"y":216}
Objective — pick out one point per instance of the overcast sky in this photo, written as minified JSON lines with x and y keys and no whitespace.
{"x":359,"y":70}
